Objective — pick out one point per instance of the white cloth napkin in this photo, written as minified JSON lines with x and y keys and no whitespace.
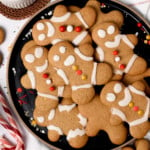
{"x":12,"y":28}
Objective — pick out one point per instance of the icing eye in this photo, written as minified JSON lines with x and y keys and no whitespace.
{"x":40,"y":26}
{"x":117,"y":88}
{"x":39,"y":52}
{"x":110,"y":97}
{"x":69,"y":60}
{"x":110,"y":29}
{"x":41,"y":37}
{"x":62,"y":49}
{"x":29,"y":58}
{"x":101,"y":33}
{"x":56,"y":58}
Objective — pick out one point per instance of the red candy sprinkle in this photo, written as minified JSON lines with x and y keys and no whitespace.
{"x":45,"y":75}
{"x":62,"y":28}
{"x":52,"y":88}
{"x":115,"y":52}
{"x":79,"y":72}
{"x":139,"y":24}
{"x":148,"y":42}
{"x":122,"y":66}
{"x":19,"y":90}
{"x":78,"y":29}
{"x":135,"y":108}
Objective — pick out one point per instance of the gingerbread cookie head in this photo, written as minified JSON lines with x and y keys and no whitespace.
{"x":68,"y":121}
{"x":65,"y":25}
{"x":75,"y":65}
{"x":117,"y":49}
{"x":126,"y":105}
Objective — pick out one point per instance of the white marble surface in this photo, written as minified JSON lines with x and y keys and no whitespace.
{"x":12,"y":28}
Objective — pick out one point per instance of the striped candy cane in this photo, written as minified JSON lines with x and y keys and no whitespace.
{"x":11,"y":128}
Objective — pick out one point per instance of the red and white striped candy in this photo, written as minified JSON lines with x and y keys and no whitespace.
{"x":11,"y":128}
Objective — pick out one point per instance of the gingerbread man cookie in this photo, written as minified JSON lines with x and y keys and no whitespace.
{"x":75,"y":65}
{"x":39,"y":76}
{"x":98,"y":116}
{"x":65,"y":25}
{"x":66,"y":120}
{"x":117,"y":50}
{"x":129,"y":104}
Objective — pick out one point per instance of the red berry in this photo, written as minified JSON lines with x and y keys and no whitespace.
{"x":115,"y":52}
{"x":62,"y":28}
{"x":79,"y":72}
{"x":45,"y":75}
{"x":78,"y":29}
{"x":148,"y":42}
{"x":139,"y":24}
{"x":52,"y":88}
{"x":135,"y":108}
{"x":122,"y":66}
{"x":19,"y":90}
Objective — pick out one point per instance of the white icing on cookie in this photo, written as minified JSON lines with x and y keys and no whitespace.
{"x":62,"y":49}
{"x":110,"y":97}
{"x":117,"y":88}
{"x":119,"y":113}
{"x":127,"y":98}
{"x":75,"y":133}
{"x":62,"y":18}
{"x":116,"y":42}
{"x":83,"y":120}
{"x":83,"y":57}
{"x":66,"y":107}
{"x":60,"y":91}
{"x":111,"y":29}
{"x":51,"y":114}
{"x":42,"y":67}
{"x":29,"y":58}
{"x":69,"y":60}
{"x":54,"y":128}
{"x":79,"y":38}
{"x":41,"y":37}
{"x":78,"y":14}
{"x":56,"y":58}
{"x":40,"y":26}
{"x":76,"y":87}
{"x":62,"y":74}
{"x":93,"y":76}
{"x":51,"y":29}
{"x":32,"y":79}
{"x":40,"y":119}
{"x":55,"y":41}
{"x":38,"y":52}
{"x":136,"y":91}
{"x":100,"y":53}
{"x":130,"y":63}
{"x":101,"y":33}
{"x":52,"y":97}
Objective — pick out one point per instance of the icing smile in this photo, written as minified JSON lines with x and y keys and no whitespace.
{"x":42,"y":67}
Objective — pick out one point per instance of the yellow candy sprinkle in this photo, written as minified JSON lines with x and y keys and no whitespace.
{"x":131,"y":104}
{"x":84,"y":77}
{"x":74,"y":67}
{"x":140,"y":112}
{"x":145,"y":41}
{"x":33,"y":123}
{"x":148,"y":37}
